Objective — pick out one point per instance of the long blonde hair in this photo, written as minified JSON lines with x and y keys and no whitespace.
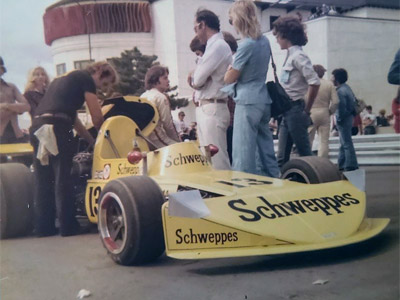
{"x":30,"y":85}
{"x":244,"y":18}
{"x":106,"y":70}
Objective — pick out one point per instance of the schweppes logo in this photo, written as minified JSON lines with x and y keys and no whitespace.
{"x":185,"y":159}
{"x":124,"y":169}
{"x":327,"y":205}
{"x":217,"y":238}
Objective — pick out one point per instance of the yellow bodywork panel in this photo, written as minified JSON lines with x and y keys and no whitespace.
{"x":16,"y":149}
{"x":256,"y":215}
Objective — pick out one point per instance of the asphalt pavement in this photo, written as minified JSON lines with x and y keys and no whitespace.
{"x":58,"y":268}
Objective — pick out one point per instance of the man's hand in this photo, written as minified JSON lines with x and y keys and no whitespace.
{"x":189,"y":79}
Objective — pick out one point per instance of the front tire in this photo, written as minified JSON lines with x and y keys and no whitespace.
{"x":311,"y":170}
{"x":130,"y":222}
{"x":16,"y":200}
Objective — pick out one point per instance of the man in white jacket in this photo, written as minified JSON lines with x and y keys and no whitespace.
{"x":157,"y":83}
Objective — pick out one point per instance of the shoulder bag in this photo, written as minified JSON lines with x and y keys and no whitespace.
{"x":281,"y":102}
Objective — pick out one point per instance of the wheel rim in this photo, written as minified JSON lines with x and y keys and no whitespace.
{"x":296,"y":175}
{"x":112,"y":223}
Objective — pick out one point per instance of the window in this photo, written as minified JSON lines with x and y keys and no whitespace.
{"x":82,"y":64}
{"x":60,"y":69}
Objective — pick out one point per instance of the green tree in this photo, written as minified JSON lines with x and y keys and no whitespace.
{"x":131,"y":68}
{"x":174,"y":101}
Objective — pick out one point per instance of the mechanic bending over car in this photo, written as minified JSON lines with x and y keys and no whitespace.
{"x":157,"y":84}
{"x":53,"y":142}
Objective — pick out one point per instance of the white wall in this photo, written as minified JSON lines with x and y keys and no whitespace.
{"x":359,"y":46}
{"x":164,"y":34}
{"x":374,"y":12}
{"x":104,"y":45}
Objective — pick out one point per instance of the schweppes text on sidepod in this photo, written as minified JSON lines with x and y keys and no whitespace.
{"x":327,"y":205}
{"x":185,"y":159}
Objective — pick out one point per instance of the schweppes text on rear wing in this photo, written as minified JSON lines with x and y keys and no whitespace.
{"x":326,"y":205}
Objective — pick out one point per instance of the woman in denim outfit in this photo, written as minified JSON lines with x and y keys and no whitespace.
{"x":253,"y":148}
{"x":297,"y":78}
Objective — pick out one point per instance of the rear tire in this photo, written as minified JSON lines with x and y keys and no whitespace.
{"x":310,"y":169}
{"x":130,"y":222}
{"x":16,"y":200}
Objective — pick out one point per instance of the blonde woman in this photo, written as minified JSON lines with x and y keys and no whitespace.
{"x":37,"y":84}
{"x":252,"y":138}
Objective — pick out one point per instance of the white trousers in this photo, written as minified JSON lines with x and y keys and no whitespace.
{"x":212,"y":122}
{"x":321,"y":124}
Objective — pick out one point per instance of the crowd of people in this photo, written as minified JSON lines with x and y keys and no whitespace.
{"x":233,"y":108}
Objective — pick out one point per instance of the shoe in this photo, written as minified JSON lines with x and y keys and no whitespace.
{"x":350,"y":169}
{"x":51,"y":232}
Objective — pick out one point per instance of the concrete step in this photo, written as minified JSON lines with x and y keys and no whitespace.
{"x":378,"y":149}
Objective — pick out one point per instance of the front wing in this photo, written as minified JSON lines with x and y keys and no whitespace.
{"x":281,"y":217}
{"x":187,"y":238}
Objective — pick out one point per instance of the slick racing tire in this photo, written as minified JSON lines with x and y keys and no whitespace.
{"x":310,"y":169}
{"x":16,"y":200}
{"x":130,"y":222}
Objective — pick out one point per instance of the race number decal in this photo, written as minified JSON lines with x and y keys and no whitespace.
{"x":94,"y":195}
{"x":244,"y":182}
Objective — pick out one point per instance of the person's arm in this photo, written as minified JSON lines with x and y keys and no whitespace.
{"x":341,"y":110}
{"x":209,"y":63}
{"x":395,"y":108}
{"x":394,"y":71}
{"x":334,"y":100}
{"x":312,"y":94}
{"x":21,"y":105}
{"x":82,"y":131}
{"x":164,"y":112}
{"x":304,"y":65}
{"x":231,"y":75}
{"x":242,"y":56}
{"x":94,"y":109}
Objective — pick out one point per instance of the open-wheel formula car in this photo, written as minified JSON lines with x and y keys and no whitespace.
{"x":171,"y":199}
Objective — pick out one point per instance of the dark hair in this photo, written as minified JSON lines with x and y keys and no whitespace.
{"x":340,"y":75}
{"x":369,"y":107}
{"x":320,"y":70}
{"x":209,"y":18}
{"x":231,"y":41}
{"x":290,"y":28}
{"x":196,"y":45}
{"x":153,"y":75}
{"x":2,"y":65}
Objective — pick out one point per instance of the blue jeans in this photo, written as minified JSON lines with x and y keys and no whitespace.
{"x":253,"y":147}
{"x":347,"y":155}
{"x":294,"y":129}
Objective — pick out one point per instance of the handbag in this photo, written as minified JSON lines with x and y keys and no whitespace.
{"x":281,"y":102}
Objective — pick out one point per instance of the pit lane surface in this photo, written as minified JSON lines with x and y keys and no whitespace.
{"x":57,"y":268}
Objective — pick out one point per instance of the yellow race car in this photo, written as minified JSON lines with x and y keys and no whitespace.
{"x":171,"y":199}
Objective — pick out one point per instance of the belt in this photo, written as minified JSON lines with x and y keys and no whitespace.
{"x":297,"y":102}
{"x":62,"y":116}
{"x":208,"y":101}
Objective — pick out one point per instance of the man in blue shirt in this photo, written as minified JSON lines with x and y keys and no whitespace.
{"x":347,"y":160}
